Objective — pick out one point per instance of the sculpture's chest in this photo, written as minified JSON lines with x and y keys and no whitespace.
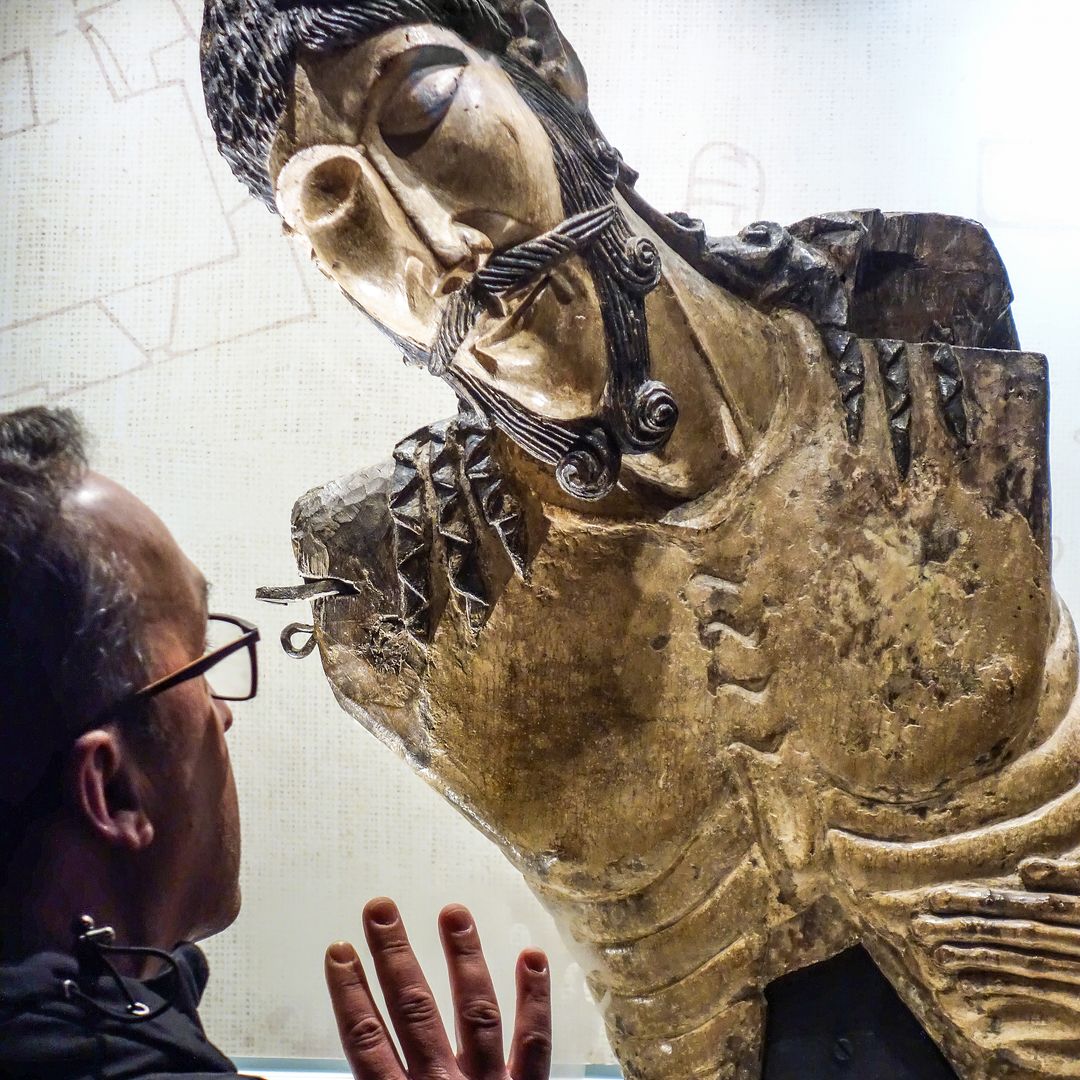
{"x":581,"y":719}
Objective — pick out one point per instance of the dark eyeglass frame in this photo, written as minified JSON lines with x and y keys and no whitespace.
{"x":248,"y":639}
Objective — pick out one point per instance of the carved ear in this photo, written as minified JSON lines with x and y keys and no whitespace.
{"x":317,"y":185}
{"x":553,"y":55}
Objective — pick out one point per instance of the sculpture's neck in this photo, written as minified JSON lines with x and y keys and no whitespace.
{"x":724,"y":360}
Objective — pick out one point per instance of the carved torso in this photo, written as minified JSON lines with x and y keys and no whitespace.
{"x":698,"y":734}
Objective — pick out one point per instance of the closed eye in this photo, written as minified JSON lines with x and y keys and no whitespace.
{"x":429,"y":80}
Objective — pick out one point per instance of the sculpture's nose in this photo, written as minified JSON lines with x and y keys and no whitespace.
{"x":318,"y":186}
{"x":453,"y":243}
{"x":340,"y":198}
{"x":478,"y":250}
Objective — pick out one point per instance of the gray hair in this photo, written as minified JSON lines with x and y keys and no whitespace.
{"x":69,"y":629}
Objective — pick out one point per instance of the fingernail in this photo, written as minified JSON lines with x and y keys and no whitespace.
{"x":341,"y":952}
{"x":458,"y":921}
{"x":382,"y":912}
{"x":535,"y":961}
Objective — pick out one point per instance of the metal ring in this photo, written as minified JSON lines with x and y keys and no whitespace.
{"x":298,"y":652}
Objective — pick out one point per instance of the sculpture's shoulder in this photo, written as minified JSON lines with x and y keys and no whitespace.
{"x":343,"y":530}
{"x":917,"y":276}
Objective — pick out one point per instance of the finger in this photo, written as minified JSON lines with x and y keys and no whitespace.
{"x":476,"y":1009}
{"x":364,"y":1038}
{"x":1006,"y":904}
{"x":995,"y":963}
{"x":1016,"y":933}
{"x":530,"y":1051}
{"x":1020,"y":997}
{"x":1051,"y":875}
{"x":409,"y":999}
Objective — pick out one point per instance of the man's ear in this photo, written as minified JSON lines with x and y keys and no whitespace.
{"x":102,"y":782}
{"x":552,"y":55}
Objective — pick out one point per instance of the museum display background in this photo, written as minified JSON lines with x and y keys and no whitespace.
{"x":143,"y":287}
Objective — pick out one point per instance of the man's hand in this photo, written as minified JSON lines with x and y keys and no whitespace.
{"x":415,"y":1016}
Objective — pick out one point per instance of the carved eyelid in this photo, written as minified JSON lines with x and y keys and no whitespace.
{"x":422,"y":85}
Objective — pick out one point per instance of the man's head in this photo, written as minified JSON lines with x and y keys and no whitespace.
{"x":131,"y":811}
{"x":412,"y":142}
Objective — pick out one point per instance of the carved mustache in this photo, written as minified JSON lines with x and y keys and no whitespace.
{"x":512,"y":271}
{"x":518,"y":267}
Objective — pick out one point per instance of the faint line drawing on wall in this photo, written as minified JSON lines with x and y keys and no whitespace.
{"x":18,"y":104}
{"x":726,"y":187}
{"x":146,"y":54}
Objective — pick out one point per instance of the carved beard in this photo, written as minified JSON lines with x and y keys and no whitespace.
{"x":637,"y":415}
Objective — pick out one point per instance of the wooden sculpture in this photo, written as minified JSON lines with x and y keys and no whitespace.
{"x":724,"y":605}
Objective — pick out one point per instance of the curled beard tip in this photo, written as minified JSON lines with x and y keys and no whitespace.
{"x":643,"y":265}
{"x":654,"y":414}
{"x":609,"y":159}
{"x":590,"y":468}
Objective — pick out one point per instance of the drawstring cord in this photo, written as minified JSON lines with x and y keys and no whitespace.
{"x":93,"y":947}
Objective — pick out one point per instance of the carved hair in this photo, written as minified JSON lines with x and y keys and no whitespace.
{"x":250,"y":47}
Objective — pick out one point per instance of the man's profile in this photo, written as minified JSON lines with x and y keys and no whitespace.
{"x":119,"y":822}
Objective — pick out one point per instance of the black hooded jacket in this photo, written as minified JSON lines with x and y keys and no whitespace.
{"x":45,"y":1034}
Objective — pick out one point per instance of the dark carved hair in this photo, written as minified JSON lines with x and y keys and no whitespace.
{"x":249,"y":51}
{"x":69,"y":636}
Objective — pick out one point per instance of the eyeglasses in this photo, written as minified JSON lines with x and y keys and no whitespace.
{"x":230,"y":653}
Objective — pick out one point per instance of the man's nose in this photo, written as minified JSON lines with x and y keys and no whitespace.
{"x":226,"y":713}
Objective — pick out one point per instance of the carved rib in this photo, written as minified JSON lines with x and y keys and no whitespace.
{"x":1026,"y":934}
{"x":719,"y":607}
{"x":972,"y":901}
{"x":998,"y":962}
{"x":659,"y":961}
{"x":686,"y":1003}
{"x":1031,"y":995}
{"x":722,"y":1048}
{"x":950,"y":386}
{"x":754,"y":686}
{"x":896,"y":381}
{"x":413,"y":536}
{"x":656,"y":902}
{"x":1051,"y":875}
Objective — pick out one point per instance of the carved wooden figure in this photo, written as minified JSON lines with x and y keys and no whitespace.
{"x":724,"y":604}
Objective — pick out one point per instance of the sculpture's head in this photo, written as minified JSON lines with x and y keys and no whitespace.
{"x":440,"y":159}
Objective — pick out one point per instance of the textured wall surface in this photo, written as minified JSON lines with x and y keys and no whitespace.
{"x":222,"y":378}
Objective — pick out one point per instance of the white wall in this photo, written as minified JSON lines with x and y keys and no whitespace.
{"x":223,"y":378}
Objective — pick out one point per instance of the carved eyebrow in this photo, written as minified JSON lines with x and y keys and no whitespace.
{"x":417,"y":57}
